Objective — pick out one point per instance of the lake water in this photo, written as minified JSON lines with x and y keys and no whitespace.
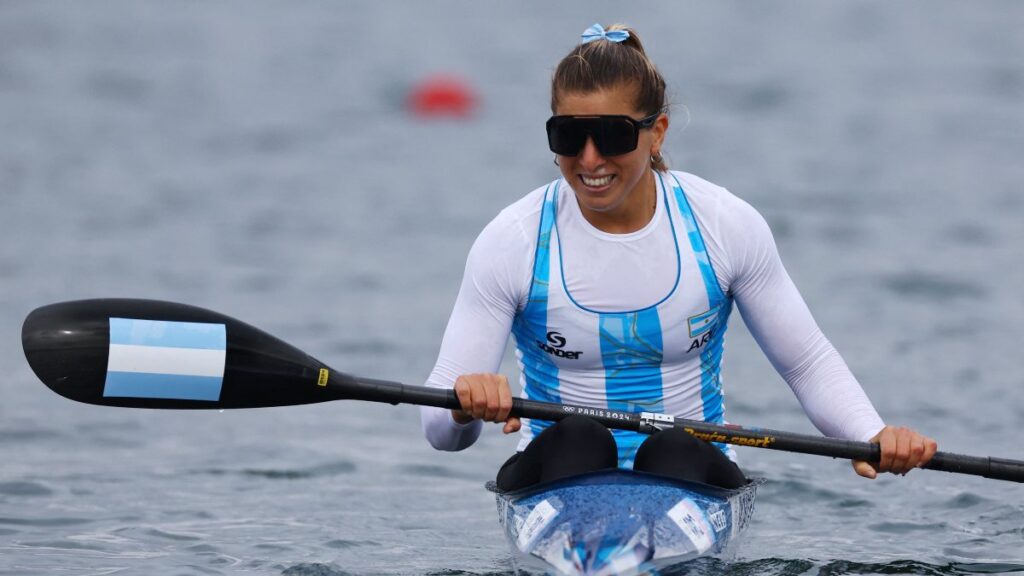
{"x":258,"y":159}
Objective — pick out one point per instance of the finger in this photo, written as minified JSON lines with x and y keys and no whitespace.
{"x":493,"y":400}
{"x":901,"y":455}
{"x":916,"y":451}
{"x":887,"y":448}
{"x":864,"y":469}
{"x":513,"y":424}
{"x":465,"y":394}
{"x":930,"y":448}
{"x":504,"y":399}
{"x":479,"y":403}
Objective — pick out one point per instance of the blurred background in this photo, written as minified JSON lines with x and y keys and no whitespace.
{"x":320,"y":170}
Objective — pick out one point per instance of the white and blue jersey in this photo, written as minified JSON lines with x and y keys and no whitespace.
{"x":663,"y":358}
{"x":636,"y":322}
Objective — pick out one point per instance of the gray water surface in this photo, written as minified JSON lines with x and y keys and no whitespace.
{"x":257,"y":159}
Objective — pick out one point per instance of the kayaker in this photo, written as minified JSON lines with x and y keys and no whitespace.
{"x":617,"y":281}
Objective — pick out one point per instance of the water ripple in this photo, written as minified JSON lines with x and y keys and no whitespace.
{"x":432,"y":470}
{"x":22,"y":488}
{"x":965,"y":500}
{"x":931,"y":286}
{"x":64,"y":545}
{"x":794,"y":567}
{"x":347,"y":544}
{"x":909,"y":527}
{"x":45,"y":522}
{"x":314,"y":569}
{"x":177,"y":536}
{"x":323,"y":470}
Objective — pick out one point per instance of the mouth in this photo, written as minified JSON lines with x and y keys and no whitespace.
{"x":597,"y":182}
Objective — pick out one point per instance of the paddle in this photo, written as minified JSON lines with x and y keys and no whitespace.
{"x":154,"y":354}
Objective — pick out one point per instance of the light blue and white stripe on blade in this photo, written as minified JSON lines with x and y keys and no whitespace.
{"x":162,"y":359}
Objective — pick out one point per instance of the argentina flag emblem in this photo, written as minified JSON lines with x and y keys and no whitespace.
{"x":702,"y":323}
{"x":162,"y":359}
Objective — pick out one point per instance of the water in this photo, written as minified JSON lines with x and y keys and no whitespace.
{"x":256,"y":159}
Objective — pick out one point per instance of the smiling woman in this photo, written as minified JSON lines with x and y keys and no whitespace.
{"x":617,"y":282}
{"x":609,"y":126}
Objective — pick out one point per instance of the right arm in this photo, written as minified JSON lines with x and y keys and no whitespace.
{"x":781,"y":323}
{"x":475,"y":338}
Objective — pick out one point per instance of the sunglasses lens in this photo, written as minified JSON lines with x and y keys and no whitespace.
{"x":566,"y":136}
{"x":616,"y":136}
{"x":613,"y":135}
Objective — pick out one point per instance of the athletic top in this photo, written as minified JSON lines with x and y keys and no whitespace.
{"x":635,"y":322}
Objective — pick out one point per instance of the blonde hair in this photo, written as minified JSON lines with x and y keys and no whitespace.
{"x":603,"y":65}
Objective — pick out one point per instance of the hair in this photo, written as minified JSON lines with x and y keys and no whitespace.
{"x":603,"y":65}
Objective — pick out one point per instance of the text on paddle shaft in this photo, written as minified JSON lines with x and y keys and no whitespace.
{"x":554,"y":347}
{"x":762,"y":442}
{"x":595,"y":412}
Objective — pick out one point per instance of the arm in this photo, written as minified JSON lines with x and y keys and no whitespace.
{"x":783,"y":326}
{"x":475,"y":338}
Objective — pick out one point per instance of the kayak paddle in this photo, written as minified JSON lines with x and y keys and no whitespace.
{"x":155,"y":354}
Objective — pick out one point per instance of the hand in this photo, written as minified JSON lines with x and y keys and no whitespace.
{"x":485,"y":397}
{"x":902,"y":450}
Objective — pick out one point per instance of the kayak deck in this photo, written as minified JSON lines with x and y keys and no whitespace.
{"x":620,"y":522}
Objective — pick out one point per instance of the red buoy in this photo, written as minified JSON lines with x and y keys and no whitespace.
{"x":442,"y":95}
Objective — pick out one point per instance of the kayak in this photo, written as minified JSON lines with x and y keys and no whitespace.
{"x":620,"y":522}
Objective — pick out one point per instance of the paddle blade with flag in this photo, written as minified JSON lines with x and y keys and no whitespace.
{"x":152,"y":354}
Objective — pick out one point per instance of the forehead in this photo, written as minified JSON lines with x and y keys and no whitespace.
{"x":620,"y":99}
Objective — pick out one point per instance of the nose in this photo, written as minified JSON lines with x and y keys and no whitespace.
{"x":590,"y":157}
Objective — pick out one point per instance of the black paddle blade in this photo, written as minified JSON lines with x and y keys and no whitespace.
{"x":154,"y":354}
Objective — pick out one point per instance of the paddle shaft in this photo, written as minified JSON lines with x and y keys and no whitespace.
{"x":396,"y":393}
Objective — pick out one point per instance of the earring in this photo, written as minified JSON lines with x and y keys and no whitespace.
{"x":656,"y":158}
{"x":555,"y":160}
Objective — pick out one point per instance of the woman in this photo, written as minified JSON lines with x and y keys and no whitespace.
{"x":617,"y":281}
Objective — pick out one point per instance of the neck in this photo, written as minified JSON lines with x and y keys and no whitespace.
{"x":635,"y":212}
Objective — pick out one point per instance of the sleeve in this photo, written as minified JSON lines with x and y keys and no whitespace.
{"x":478,"y":329}
{"x":782,"y":325}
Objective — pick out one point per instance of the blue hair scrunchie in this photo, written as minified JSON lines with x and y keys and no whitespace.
{"x":597,"y":32}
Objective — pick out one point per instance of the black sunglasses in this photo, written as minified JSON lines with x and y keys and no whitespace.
{"x":613,"y":135}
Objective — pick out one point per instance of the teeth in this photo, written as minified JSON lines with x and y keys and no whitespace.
{"x":596,"y":182}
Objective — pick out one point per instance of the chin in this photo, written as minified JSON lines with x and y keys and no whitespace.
{"x":600,"y":205}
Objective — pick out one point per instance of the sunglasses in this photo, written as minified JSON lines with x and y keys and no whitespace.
{"x":613,"y":135}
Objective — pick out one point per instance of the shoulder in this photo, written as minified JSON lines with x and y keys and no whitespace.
{"x":502,"y":255}
{"x":517,"y":223}
{"x":737,"y":236}
{"x":711,"y":201}
{"x":720,"y":213}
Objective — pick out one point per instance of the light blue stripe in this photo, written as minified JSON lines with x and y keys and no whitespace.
{"x":632,"y":353}
{"x":711,"y":355}
{"x":531,"y":325}
{"x":628,"y":443}
{"x":711,"y":370}
{"x":714,"y":291}
{"x":163,"y":386}
{"x":168,"y":334}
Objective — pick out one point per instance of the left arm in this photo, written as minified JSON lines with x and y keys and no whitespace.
{"x":784,"y":328}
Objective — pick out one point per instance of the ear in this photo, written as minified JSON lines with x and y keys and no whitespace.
{"x":659,"y":130}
